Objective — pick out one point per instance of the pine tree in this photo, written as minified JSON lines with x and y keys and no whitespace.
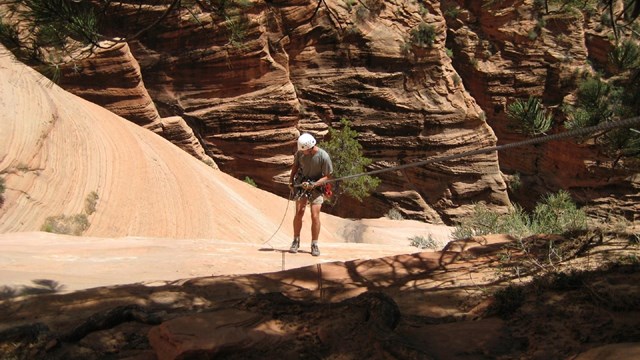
{"x":346,"y":155}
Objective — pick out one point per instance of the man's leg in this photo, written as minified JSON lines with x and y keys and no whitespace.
{"x":301,"y":204}
{"x":315,"y":221}
{"x":315,"y":228}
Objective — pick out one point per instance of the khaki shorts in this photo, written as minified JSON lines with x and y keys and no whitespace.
{"x":316,"y":198}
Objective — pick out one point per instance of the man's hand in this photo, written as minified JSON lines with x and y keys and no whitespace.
{"x":308,"y":185}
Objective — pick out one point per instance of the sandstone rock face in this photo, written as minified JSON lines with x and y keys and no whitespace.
{"x":176,"y":130}
{"x":121,"y":90}
{"x":365,"y":319}
{"x":247,"y":85}
{"x":65,"y":158}
{"x":303,"y":67}
{"x":111,"y":78}
{"x":508,"y":52}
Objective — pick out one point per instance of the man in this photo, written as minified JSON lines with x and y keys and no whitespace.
{"x":311,"y":168}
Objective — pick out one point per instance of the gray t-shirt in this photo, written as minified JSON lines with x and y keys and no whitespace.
{"x":314,"y":166}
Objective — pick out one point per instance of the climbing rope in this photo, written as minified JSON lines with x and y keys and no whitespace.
{"x":281,"y":222}
{"x":538,"y":140}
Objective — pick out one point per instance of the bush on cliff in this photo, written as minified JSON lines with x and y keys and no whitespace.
{"x":346,"y":155}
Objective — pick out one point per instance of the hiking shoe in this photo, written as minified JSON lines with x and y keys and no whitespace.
{"x":314,"y":250}
{"x":294,"y":246}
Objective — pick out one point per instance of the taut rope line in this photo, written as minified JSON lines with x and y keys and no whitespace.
{"x":541,"y":139}
{"x":571,"y":133}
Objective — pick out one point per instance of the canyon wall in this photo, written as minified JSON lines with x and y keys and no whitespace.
{"x":510,"y":50}
{"x":248,"y":85}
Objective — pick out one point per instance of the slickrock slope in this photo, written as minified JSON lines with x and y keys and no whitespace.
{"x":58,"y":149}
{"x":71,"y":166}
{"x":301,"y":70}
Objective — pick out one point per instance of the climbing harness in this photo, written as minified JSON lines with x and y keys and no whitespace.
{"x":302,"y":187}
{"x":306,"y":188}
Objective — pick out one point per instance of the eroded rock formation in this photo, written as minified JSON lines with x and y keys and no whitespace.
{"x":301,"y":70}
{"x":511,"y":50}
{"x":111,"y":78}
{"x":248,"y":85}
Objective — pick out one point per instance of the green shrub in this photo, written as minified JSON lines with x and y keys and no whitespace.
{"x":69,"y":225}
{"x":423,"y":36}
{"x":515,"y":183}
{"x":349,"y":4}
{"x":422,"y":242}
{"x":90,"y":203}
{"x":250,"y":181}
{"x":75,"y":224}
{"x":452,"y":12}
{"x":529,"y":116}
{"x":482,"y":221}
{"x":237,"y":28}
{"x":592,"y":105}
{"x":599,"y":102}
{"x":3,"y":187}
{"x":347,"y":158}
{"x":625,"y":55}
{"x":422,"y":10}
{"x":578,"y":118}
{"x":516,"y":223}
{"x":622,"y":142}
{"x":558,"y":214}
{"x":628,"y":104}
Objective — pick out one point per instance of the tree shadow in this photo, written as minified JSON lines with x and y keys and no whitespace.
{"x":39,"y":287}
{"x":459,"y":281}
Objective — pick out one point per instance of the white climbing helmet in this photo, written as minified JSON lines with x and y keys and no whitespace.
{"x":306,"y":142}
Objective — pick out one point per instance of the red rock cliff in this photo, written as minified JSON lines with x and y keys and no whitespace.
{"x":247,"y":86}
{"x":296,"y":69}
{"x":508,"y":50}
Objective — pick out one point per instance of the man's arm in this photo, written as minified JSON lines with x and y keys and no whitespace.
{"x":322,"y":180}
{"x":327,"y":171}
{"x":294,"y":171}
